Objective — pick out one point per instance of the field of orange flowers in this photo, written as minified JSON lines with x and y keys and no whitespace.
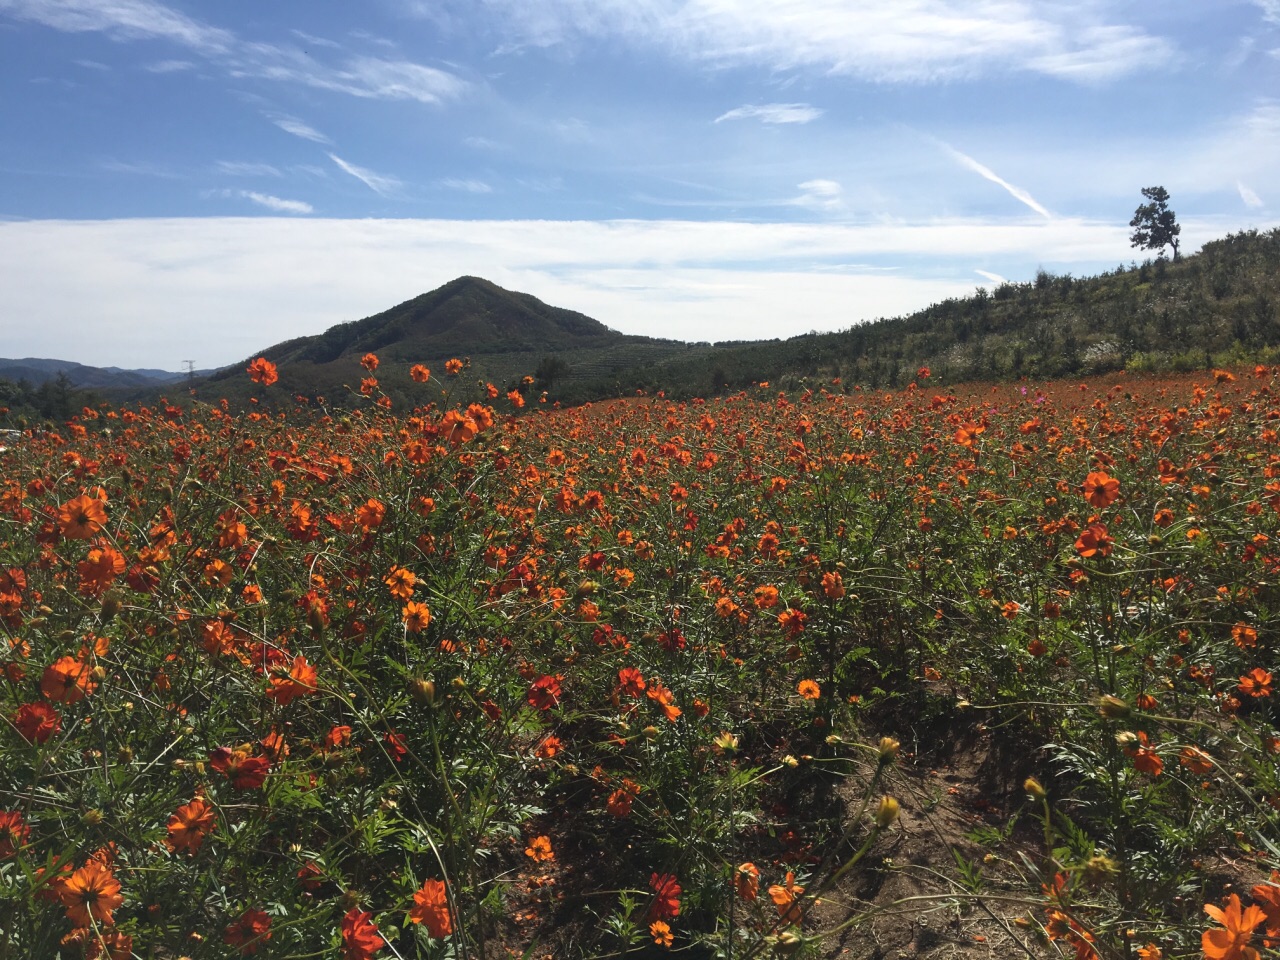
{"x":644,"y":677}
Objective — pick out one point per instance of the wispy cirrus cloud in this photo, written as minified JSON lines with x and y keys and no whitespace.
{"x":1022,"y":196}
{"x":277,"y":204}
{"x":360,"y":76}
{"x":903,"y":41}
{"x":169,"y":66}
{"x":300,"y":129}
{"x":235,"y":168}
{"x":772,"y":113}
{"x":466,"y":186}
{"x":124,"y":20}
{"x":381,"y":184}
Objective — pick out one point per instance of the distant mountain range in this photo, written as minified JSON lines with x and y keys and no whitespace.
{"x":37,"y":370}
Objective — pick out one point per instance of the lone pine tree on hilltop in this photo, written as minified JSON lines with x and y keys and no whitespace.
{"x":1156,"y":226}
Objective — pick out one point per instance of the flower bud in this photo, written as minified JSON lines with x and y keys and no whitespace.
{"x":423,"y":691}
{"x":1035,"y":788}
{"x":887,"y":812}
{"x":888,"y":750}
{"x":1113,"y":708}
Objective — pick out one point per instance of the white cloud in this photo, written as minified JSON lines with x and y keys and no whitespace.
{"x":993,"y":277}
{"x":124,"y":19}
{"x":169,"y":66}
{"x":237,"y":169}
{"x":92,"y":65}
{"x":819,"y":195}
{"x":300,"y":129}
{"x":899,"y":41}
{"x":276,"y":203}
{"x":773,"y":113}
{"x":986,"y":172}
{"x":1251,"y":199}
{"x":1270,"y":9}
{"x":113,"y":287}
{"x":466,"y":186}
{"x":379,"y":183}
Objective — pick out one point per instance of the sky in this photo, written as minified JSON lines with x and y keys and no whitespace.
{"x":185,"y":181}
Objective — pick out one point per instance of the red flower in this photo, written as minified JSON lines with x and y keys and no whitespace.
{"x":544,"y":693}
{"x":244,"y":771}
{"x":13,"y":832}
{"x":37,"y":722}
{"x":360,"y":938}
{"x":666,"y":899}
{"x":249,"y":931}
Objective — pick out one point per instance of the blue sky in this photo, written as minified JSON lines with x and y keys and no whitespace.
{"x":197,"y":181}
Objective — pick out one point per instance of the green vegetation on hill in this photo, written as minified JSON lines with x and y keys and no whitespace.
{"x":1217,"y":307}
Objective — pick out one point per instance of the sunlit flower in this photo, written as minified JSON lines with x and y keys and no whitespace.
{"x":82,"y":517}
{"x":431,"y":909}
{"x":189,"y":825}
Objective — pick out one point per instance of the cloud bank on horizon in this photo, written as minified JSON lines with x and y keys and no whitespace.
{"x":735,"y":167}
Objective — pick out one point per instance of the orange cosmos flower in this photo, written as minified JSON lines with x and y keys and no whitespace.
{"x":298,"y":682}
{"x":369,"y":361}
{"x":431,"y":908}
{"x":785,"y":897}
{"x":400,"y":583}
{"x":1196,"y":760}
{"x":453,"y":366}
{"x":67,"y":680}
{"x":631,"y":682}
{"x":1256,"y":683}
{"x":360,"y":938}
{"x":82,"y":517}
{"x":1100,"y":490}
{"x":832,"y":585}
{"x":1094,"y":541}
{"x":417,"y":617}
{"x":1145,"y":758}
{"x":539,"y":850}
{"x":660,"y":930}
{"x":747,"y":881}
{"x":809,"y":690}
{"x":189,"y":825}
{"x":13,"y":832}
{"x":967,"y":434}
{"x":1231,"y":942}
{"x":371,"y":514}
{"x":249,"y":931}
{"x":419,"y":373}
{"x":1244,"y":635}
{"x":263,"y":371}
{"x":90,"y":894}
